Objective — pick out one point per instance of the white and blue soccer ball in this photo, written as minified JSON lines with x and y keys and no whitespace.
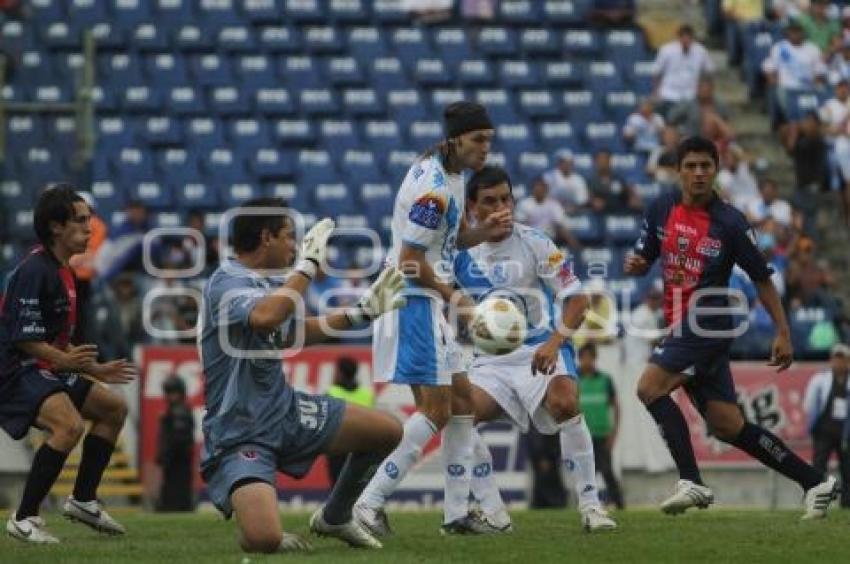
{"x":498,"y":327}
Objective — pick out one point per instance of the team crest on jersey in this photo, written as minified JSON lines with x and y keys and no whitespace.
{"x":709,"y":247}
{"x":555,"y":259}
{"x":439,"y":179}
{"x":683,"y":243}
{"x":249,"y":455}
{"x":428,"y":210}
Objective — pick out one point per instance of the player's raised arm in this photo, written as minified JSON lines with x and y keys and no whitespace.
{"x":497,"y":225}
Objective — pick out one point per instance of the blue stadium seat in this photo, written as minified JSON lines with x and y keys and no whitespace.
{"x":583,"y":107}
{"x":304,"y":11}
{"x":603,"y":135}
{"x":362,"y":102}
{"x":318,"y":102}
{"x":585,"y":227}
{"x":453,"y":44}
{"x":236,"y":193}
{"x":442,"y":97}
{"x":107,"y":196}
{"x":538,"y":104}
{"x":518,"y":74}
{"x":801,"y":102}
{"x":333,"y":199}
{"x":530,"y":165}
{"x":66,"y":67}
{"x":256,"y":71}
{"x":132,"y":163}
{"x":631,"y":166}
{"x":20,"y":223}
{"x":600,"y":262}
{"x":114,"y":131}
{"x":432,"y":72}
{"x":194,"y":193}
{"x":14,"y":196}
{"x":390,"y":12}
{"x":410,"y":44}
{"x":500,"y":159}
{"x":17,"y":37}
{"x":279,"y":39}
{"x":141,"y":98}
{"x":148,"y":37}
{"x":582,"y":43}
{"x":344,"y":71}
{"x":514,"y":138}
{"x":475,"y":72}
{"x":162,"y":131}
{"x":62,"y":133}
{"x":382,"y":136}
{"x":299,"y":198}
{"x":262,"y":11}
{"x":204,"y":133}
{"x":175,"y":12}
{"x":176,"y":162}
{"x":406,"y":106}
{"x":150,"y":192}
{"x":338,"y":136}
{"x":248,"y":134}
{"x":301,"y":71}
{"x":221,"y":165}
{"x":211,"y":69}
{"x":425,"y":133}
{"x":316,"y":167}
{"x":563,"y":12}
{"x":274,"y":101}
{"x":499,"y":104}
{"x":360,"y":167}
{"x":186,"y":101}
{"x":108,"y":37}
{"x":131,"y":12}
{"x":366,"y":43}
{"x":294,"y":132}
{"x":237,"y":39}
{"x":398,"y":163}
{"x":556,"y":135}
{"x":539,"y":41}
{"x":520,"y":12}
{"x":271,"y":164}
{"x":60,"y":36}
{"x":323,"y":40}
{"x":119,"y":69}
{"x":37,"y":68}
{"x":24,"y":131}
{"x":640,"y":76}
{"x":39,"y":166}
{"x":387,"y":73}
{"x":622,"y":230}
{"x":497,"y":42}
{"x":51,"y":94}
{"x":620,"y":104}
{"x":47,"y":10}
{"x":191,"y":37}
{"x":166,"y":69}
{"x":167,"y":219}
{"x":349,"y":11}
{"x":603,"y":76}
{"x":229,"y":100}
{"x":624,"y":46}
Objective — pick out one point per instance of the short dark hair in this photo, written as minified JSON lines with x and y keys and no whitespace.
{"x":487,"y":177}
{"x":347,"y":366}
{"x":697,"y":144}
{"x":56,"y":204}
{"x":587,"y":348}
{"x":248,"y":228}
{"x":686,"y":29}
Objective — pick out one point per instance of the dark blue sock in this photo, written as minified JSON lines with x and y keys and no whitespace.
{"x":353,"y":479}
{"x":96,"y":454}
{"x":769,"y":449}
{"x":674,"y":429}
{"x":46,"y":466}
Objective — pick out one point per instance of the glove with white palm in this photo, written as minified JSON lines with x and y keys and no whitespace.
{"x":383,"y":295}
{"x":314,"y":247}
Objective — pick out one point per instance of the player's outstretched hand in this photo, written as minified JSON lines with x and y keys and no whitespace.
{"x":314,"y":247}
{"x":114,"y":372}
{"x":384,"y":294}
{"x":545,"y":358}
{"x":79,"y":358}
{"x":781,"y":353}
{"x":635,"y":265}
{"x":498,"y":224}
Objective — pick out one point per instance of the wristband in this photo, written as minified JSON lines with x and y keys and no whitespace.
{"x":356,"y":315}
{"x":307,"y":267}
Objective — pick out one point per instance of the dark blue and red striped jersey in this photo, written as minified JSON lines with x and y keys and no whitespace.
{"x":39,"y":304}
{"x":698,"y":246}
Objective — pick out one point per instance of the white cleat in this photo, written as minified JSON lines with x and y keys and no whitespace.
{"x":688,"y":494}
{"x":818,"y":498}
{"x":594,"y":519}
{"x":30,"y":529}
{"x":500,"y":520}
{"x":92,"y":514}
{"x":352,"y":532}
{"x":373,"y":520}
{"x":294,"y":543}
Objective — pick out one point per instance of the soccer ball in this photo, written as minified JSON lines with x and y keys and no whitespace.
{"x":497,"y":326}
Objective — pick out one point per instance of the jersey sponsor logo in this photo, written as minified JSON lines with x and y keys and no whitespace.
{"x":686,"y":229}
{"x":499,"y":274}
{"x":33,"y":329}
{"x":683,"y":243}
{"x":391,"y":469}
{"x":428,"y":210}
{"x":456,"y":470}
{"x":709,"y":247}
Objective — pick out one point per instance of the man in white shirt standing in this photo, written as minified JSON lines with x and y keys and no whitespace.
{"x":736,"y":181}
{"x":565,"y":184}
{"x":678,"y":68}
{"x":543,"y":212}
{"x":769,"y":205}
{"x":793,"y":64}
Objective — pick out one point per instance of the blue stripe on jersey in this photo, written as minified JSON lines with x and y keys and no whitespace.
{"x":569,"y":357}
{"x":541,"y":334}
{"x":418,"y":246}
{"x":469,"y":276}
{"x":416,"y":359}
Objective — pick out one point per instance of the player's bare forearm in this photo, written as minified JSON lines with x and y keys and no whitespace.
{"x":320,"y":329}
{"x":274,"y":309}
{"x":471,"y":236}
{"x":75,"y":358}
{"x":572,"y":316}
{"x":415,"y":266}
{"x":497,"y":224}
{"x":770,"y":298}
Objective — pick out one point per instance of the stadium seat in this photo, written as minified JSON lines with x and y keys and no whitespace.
{"x":603,"y":135}
{"x":24,"y":131}
{"x":556,"y":135}
{"x":39,"y":166}
{"x":316,"y":102}
{"x":333,"y":199}
{"x":279,"y":39}
{"x":366,"y":43}
{"x":107,"y":37}
{"x":583,"y":107}
{"x":271,"y":164}
{"x":432,"y":73}
{"x":211,"y":69}
{"x":442,"y":97}
{"x":262,"y":11}
{"x":60,"y":36}
{"x":564,"y":12}
{"x":387,"y":74}
{"x":390,"y":12}
{"x":204,"y":133}
{"x":453,"y":44}
{"x":344,"y":71}
{"x":620,"y":104}
{"x":398,"y":163}
{"x":622,"y":230}
{"x":585,"y":227}
{"x":194,"y":194}
{"x":381,"y":137}
{"x":316,"y":167}
{"x":186,"y":101}
{"x":582,"y":43}
{"x":603,"y":76}
{"x":131,"y":12}
{"x":166,"y":69}
{"x":537,"y":104}
{"x":301,"y":72}
{"x":236,"y":193}
{"x":176,"y":163}
{"x":150,"y":192}
{"x":360,"y":167}
{"x":425,"y":133}
{"x":518,"y":74}
{"x":298,"y":198}
{"x":539,"y":41}
{"x":141,"y":99}
{"x":406,"y":106}
{"x":337,"y":136}
{"x":248,"y":134}
{"x":519,"y":12}
{"x":274,"y":101}
{"x":476,"y":72}
{"x":497,"y":42}
{"x":514,"y":138}
{"x":62,"y":133}
{"x":322,"y":40}
{"x":162,"y":131}
{"x":410,"y":44}
{"x":220,"y":165}
{"x":499,"y":104}
{"x":531,"y":165}
{"x":229,"y":101}
{"x":377,"y":198}
{"x":148,"y":37}
{"x":624,"y":46}
{"x":362,"y":102}
{"x":349,"y":11}
{"x":47,"y":10}
{"x":256,"y":71}
{"x":175,"y":12}
{"x":304,"y":11}
{"x":192,"y":38}
{"x":116,"y":70}
{"x":640,"y":75}
{"x":38,"y":68}
{"x":294,"y":132}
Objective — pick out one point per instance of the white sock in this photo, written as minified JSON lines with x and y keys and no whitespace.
{"x":484,"y":487}
{"x":577,"y":453}
{"x":418,"y":430}
{"x":457,"y":457}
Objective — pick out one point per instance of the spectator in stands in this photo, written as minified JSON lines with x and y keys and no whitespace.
{"x":85,"y":271}
{"x":609,"y":193}
{"x":662,"y":162}
{"x":809,"y":280}
{"x":793,"y":64}
{"x":736,"y":181}
{"x":478,"y":9}
{"x":835,"y":113}
{"x":739,"y":14}
{"x":644,"y":328}
{"x":129,"y":306}
{"x":543,"y":212}
{"x":642,"y":130}
{"x":566,"y":185}
{"x":786,"y":10}
{"x":122,"y":251}
{"x":769,"y":205}
{"x":175,"y":448}
{"x":826,"y":402}
{"x":820,"y":29}
{"x":844,"y":36}
{"x":705,"y":115}
{"x":678,"y":68}
{"x":613,"y":12}
{"x":429,"y":11}
{"x":347,"y":388}
{"x":810,"y":152}
{"x":602,"y":413}
{"x":196,"y":221}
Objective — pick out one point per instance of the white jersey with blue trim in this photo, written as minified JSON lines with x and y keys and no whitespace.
{"x":427,"y":213}
{"x":526,"y":267}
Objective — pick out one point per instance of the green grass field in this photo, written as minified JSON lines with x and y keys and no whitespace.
{"x":542,"y":536}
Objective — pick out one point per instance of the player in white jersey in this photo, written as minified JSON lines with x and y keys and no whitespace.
{"x":416,"y":345}
{"x":537,"y":382}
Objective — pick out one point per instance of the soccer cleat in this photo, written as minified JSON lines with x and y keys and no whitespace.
{"x":373,"y":520}
{"x":688,"y":494}
{"x":294,"y":543}
{"x":594,"y":519}
{"x":92,"y":514}
{"x":473,"y":523}
{"x":818,"y":498}
{"x":500,"y":520}
{"x":29,"y":529}
{"x":352,"y":532}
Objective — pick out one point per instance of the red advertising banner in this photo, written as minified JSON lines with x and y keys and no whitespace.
{"x":770,"y":399}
